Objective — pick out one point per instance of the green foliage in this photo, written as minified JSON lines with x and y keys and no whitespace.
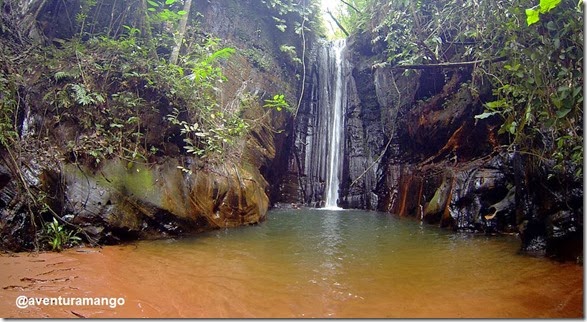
{"x":533,"y":14}
{"x":284,"y":7}
{"x":258,"y":58}
{"x":163,"y":11}
{"x":109,"y":86}
{"x":281,"y":24}
{"x":352,"y":18}
{"x":82,"y":15}
{"x":291,"y":52}
{"x":212,"y":137}
{"x":278,"y":103}
{"x":204,"y":70}
{"x":89,"y":88}
{"x":537,"y":90}
{"x":83,"y":97}
{"x":58,"y":237}
{"x":208,"y":131}
{"x":540,"y":91}
{"x":297,"y":16}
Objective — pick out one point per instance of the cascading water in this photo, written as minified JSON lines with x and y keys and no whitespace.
{"x":336,"y":128}
{"x":319,"y":147}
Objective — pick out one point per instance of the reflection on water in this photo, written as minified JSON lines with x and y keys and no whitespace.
{"x":306,"y":263}
{"x":331,"y":260}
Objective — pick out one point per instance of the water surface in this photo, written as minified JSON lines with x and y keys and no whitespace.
{"x":305,"y":263}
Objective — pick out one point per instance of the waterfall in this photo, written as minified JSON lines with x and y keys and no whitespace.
{"x":319,"y":146}
{"x":336,"y":124}
{"x":26,"y":123}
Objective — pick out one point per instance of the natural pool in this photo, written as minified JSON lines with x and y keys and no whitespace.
{"x":303,"y":263}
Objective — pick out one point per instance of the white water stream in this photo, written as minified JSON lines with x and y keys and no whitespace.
{"x":336,"y":130}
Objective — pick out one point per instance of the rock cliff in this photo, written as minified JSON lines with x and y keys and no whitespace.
{"x":169,"y":193}
{"x":413,"y":147}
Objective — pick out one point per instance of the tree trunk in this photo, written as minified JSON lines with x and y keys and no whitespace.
{"x":182,"y":28}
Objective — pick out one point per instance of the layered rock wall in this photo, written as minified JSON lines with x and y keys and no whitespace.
{"x":171,"y":193}
{"x":413,"y":147}
{"x":444,"y":167}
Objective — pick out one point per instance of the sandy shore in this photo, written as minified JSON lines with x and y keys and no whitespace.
{"x":72,"y":275}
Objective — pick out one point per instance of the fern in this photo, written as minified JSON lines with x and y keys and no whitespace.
{"x":61,"y":75}
{"x":80,"y":94}
{"x":220,"y":54}
{"x":84,"y":98}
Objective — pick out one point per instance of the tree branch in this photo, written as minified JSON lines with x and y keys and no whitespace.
{"x":350,"y":5}
{"x":450,"y":65}
{"x":337,"y":23}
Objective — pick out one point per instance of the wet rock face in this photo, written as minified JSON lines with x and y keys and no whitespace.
{"x":364,"y":141}
{"x":307,"y":159}
{"x":473,"y":198}
{"x":121,"y":203}
{"x":443,"y":166}
{"x":15,"y":223}
{"x":549,"y":210}
{"x":117,"y":201}
{"x":27,"y":185}
{"x":365,"y":132}
{"x":564,"y":233}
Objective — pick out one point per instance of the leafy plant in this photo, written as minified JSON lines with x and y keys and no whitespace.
{"x":205,"y":70}
{"x":533,"y":14}
{"x":352,"y":15}
{"x":83,"y":97}
{"x":82,"y":15}
{"x":278,"y":103}
{"x":212,"y":137}
{"x":58,"y":237}
{"x":291,"y":52}
{"x":163,"y":12}
{"x":539,"y":94}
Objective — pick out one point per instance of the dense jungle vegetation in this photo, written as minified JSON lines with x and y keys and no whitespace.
{"x":109,"y":80}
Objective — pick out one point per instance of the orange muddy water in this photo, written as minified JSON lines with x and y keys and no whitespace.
{"x":300,"y":263}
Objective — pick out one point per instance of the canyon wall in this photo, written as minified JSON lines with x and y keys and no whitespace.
{"x":413,"y":147}
{"x":172,"y":192}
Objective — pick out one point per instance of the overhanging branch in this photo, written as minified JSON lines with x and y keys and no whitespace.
{"x":450,"y":65}
{"x":338,"y":23}
{"x":351,"y":6}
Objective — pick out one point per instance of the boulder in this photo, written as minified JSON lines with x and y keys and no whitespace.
{"x":127,"y":201}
